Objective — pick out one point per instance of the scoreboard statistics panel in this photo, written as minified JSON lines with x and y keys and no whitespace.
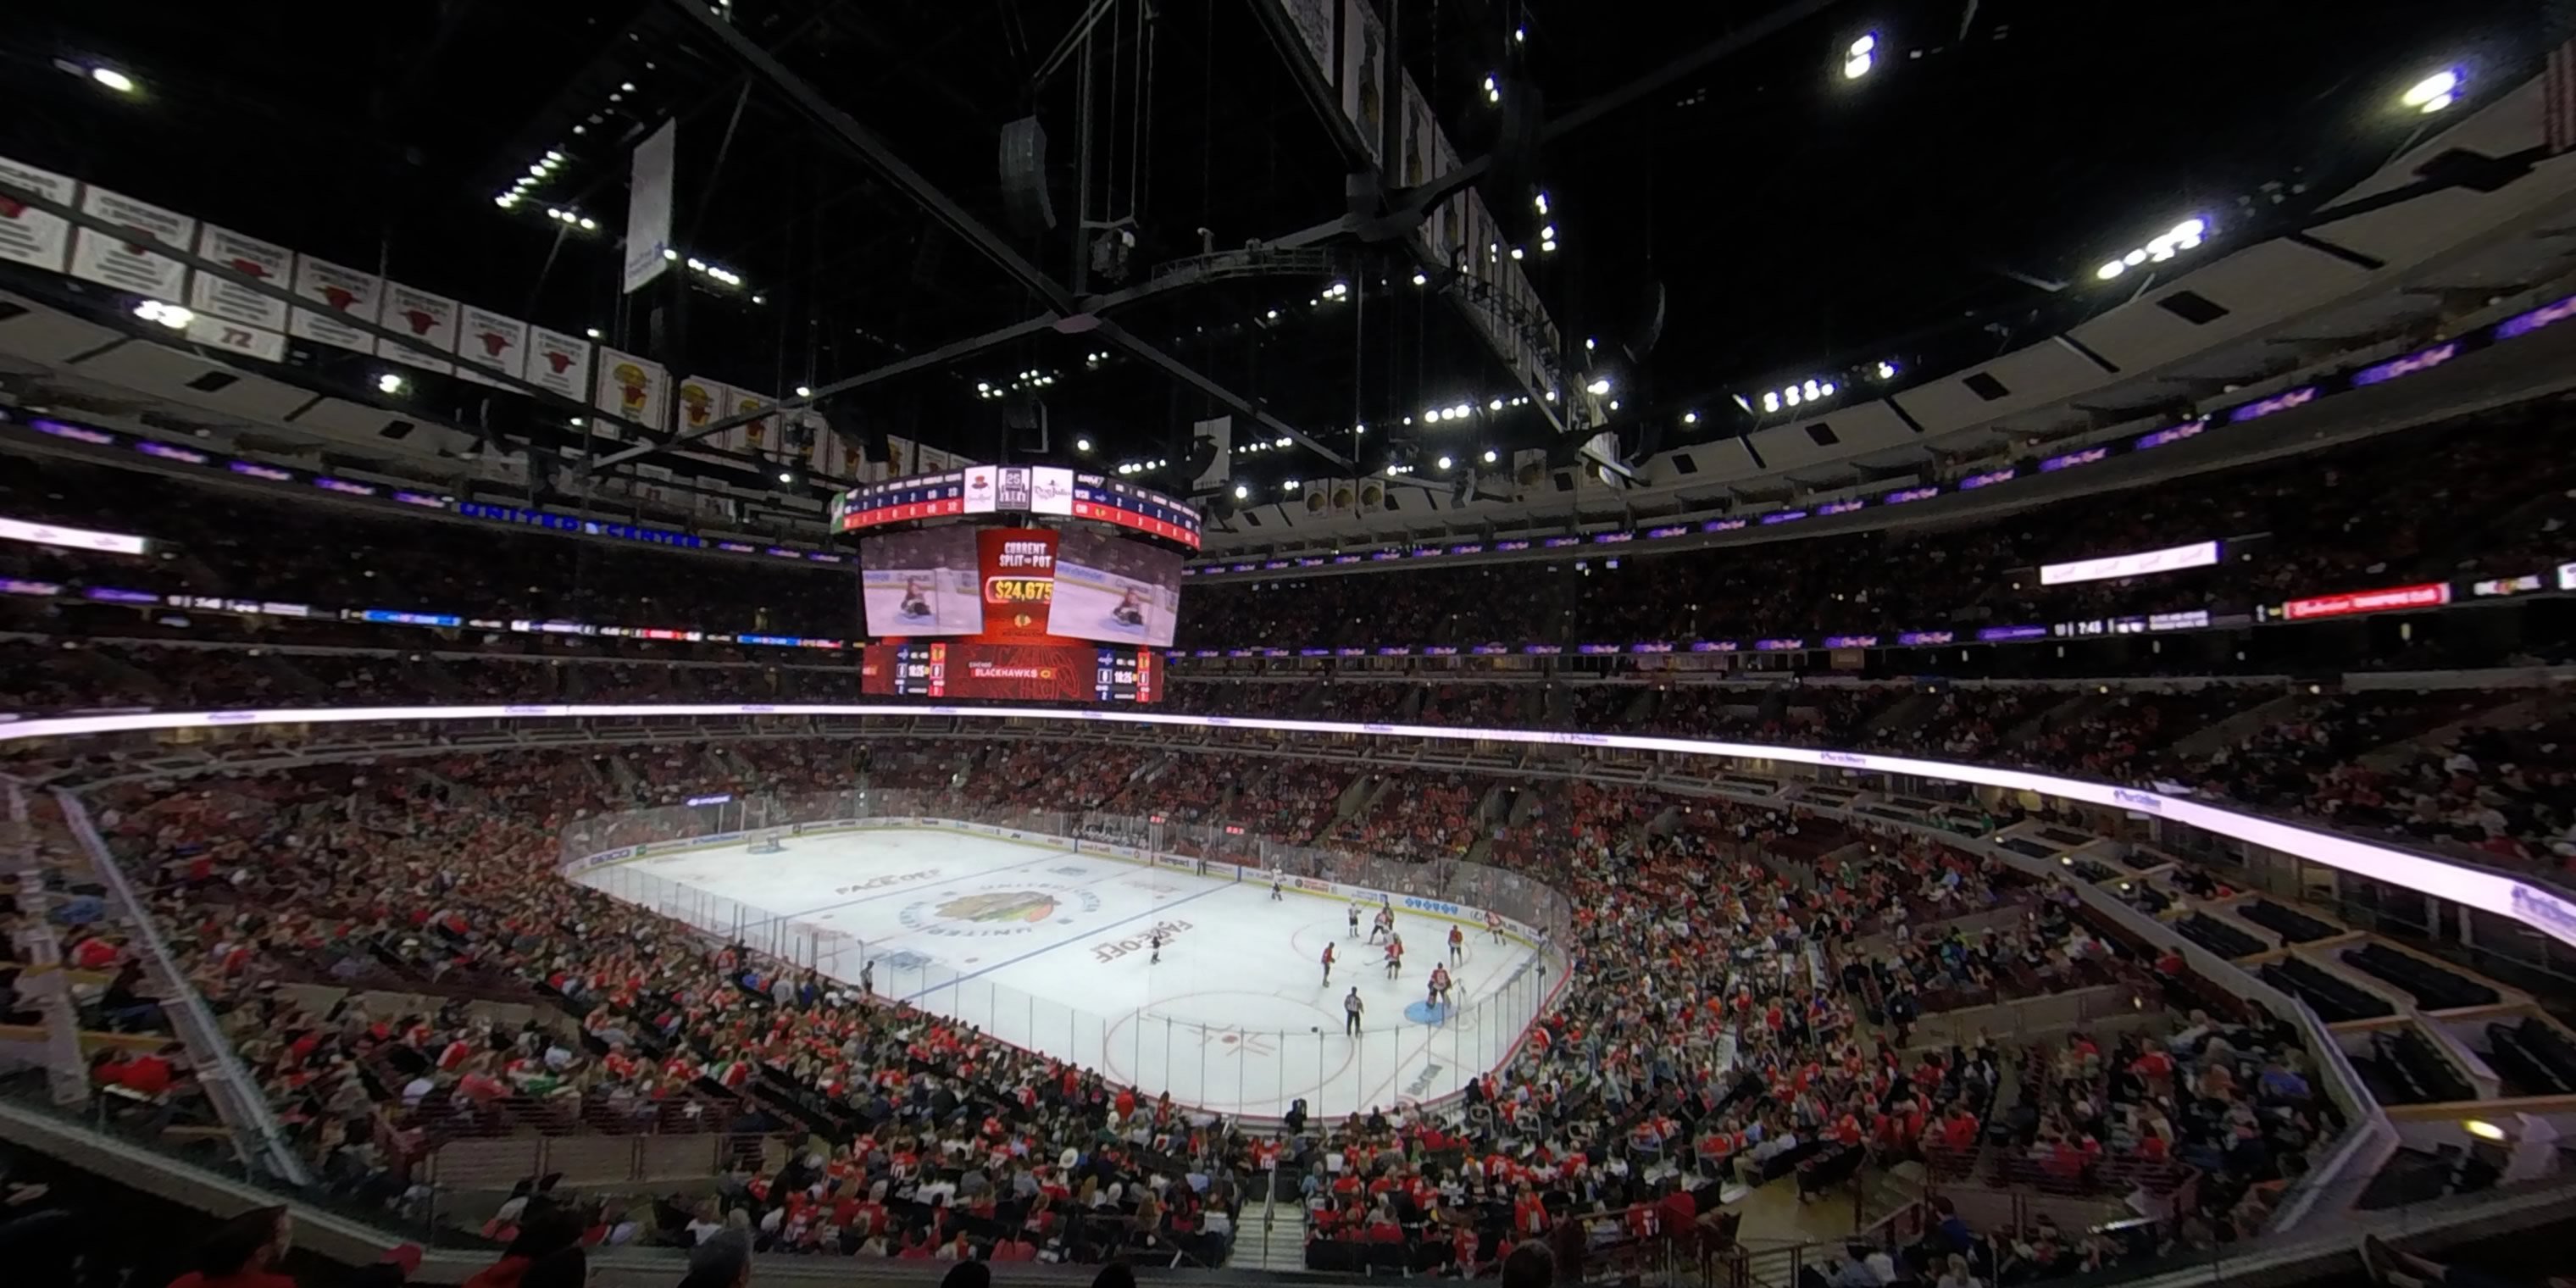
{"x":1021,"y":672}
{"x":1016,"y":489}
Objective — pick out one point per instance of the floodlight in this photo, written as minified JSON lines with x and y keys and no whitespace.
{"x":113,"y":79}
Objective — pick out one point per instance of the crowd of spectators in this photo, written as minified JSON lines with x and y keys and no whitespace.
{"x":1745,"y":978}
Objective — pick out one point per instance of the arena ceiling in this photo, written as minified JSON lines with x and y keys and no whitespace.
{"x":1946,"y":206}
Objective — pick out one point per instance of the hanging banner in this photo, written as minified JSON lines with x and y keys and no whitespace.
{"x":212,"y":296}
{"x":493,"y":343}
{"x":430,"y":321}
{"x":237,"y":338}
{"x":701,"y":403}
{"x":339,"y":293}
{"x":632,"y":389}
{"x":29,"y":235}
{"x":559,"y":362}
{"x":648,"y":208}
{"x":1363,"y":78}
{"x":129,"y":262}
{"x":753,"y":437}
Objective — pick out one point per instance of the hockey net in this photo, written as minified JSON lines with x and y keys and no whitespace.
{"x":768,"y":840}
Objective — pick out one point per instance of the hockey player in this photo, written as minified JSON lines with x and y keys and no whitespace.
{"x":1394,"y":957}
{"x":1278,"y":883}
{"x":1440,"y":985}
{"x":1494,"y":923}
{"x":1154,"y":938}
{"x":1351,"y":1008}
{"x":1355,"y":919}
{"x":1457,"y":943}
{"x":1328,"y":963}
{"x":1384,"y":927}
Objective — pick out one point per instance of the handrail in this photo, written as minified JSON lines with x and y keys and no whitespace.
{"x":235,"y":1093}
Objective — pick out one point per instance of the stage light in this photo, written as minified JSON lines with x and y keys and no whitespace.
{"x":1547,"y":248}
{"x":1489,"y":456}
{"x":2483,"y":1130}
{"x":170,"y":315}
{"x":113,"y":79}
{"x":1860,"y":56}
{"x":593,"y":333}
{"x":670,"y":254}
{"x":1887,"y":369}
{"x":1242,"y":493}
{"x":1547,"y":233}
{"x":1495,"y":405}
{"x":552,"y":213}
{"x":556,"y":157}
{"x":1599,"y":386}
{"x":1283,"y":441}
{"x":2186,"y":235}
{"x":1690,"y":418}
{"x":389,"y":383}
{"x":1445,"y":462}
{"x":785,"y":476}
{"x":1290,"y":485}
{"x":803,"y":391}
{"x":2434,"y":92}
{"x":1516,"y":252}
{"x":1461,"y":412}
{"x":1421,"y":279}
{"x":1519,"y":34}
{"x":1542,"y":203}
{"x":1273,"y":315}
{"x":503,"y":201}
{"x":589,"y":225}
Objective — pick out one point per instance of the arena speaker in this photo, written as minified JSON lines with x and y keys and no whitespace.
{"x":1319,"y":497}
{"x":1372,"y":495}
{"x":1024,"y":179}
{"x":1345,"y":494}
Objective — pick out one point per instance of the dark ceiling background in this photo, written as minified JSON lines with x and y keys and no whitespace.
{"x":1947,"y":206}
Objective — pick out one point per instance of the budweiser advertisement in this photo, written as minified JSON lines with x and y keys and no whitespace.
{"x":2428,"y":595}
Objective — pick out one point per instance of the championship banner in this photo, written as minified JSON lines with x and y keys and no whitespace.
{"x":29,"y":235}
{"x":559,"y":362}
{"x":632,"y":389}
{"x":489,"y":342}
{"x":430,"y":321}
{"x":128,"y":264}
{"x":269,"y":262}
{"x":702,"y":404}
{"x":752,"y":437}
{"x":648,"y":208}
{"x":334,"y":293}
{"x":235,"y":337}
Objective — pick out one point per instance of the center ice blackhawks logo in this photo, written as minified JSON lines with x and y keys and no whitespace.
{"x":1000,"y":906}
{"x":985,"y":914}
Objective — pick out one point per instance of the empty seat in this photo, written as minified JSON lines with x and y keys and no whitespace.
{"x":2217,"y":936}
{"x":2292,"y":925}
{"x":2433,"y":988}
{"x":2335,"y":999}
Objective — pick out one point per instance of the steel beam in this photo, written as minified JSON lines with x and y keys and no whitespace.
{"x":1191,"y":376}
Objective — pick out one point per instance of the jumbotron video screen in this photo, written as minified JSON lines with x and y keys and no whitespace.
{"x":1016,"y":613}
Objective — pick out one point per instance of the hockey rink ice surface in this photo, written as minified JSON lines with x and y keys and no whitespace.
{"x":1047,"y":948}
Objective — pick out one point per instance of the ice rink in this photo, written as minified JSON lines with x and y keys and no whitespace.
{"x":1048,"y":948}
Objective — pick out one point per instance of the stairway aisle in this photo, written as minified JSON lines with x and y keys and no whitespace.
{"x":1274,"y":1236}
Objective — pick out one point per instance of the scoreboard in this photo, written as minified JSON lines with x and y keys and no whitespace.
{"x":1028,"y":672}
{"x":1016,"y":489}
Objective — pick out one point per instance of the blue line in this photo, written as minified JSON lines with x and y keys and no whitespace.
{"x":916,"y":887}
{"x":1037,"y":952}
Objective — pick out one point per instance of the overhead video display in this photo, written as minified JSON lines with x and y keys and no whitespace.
{"x":921,"y":583}
{"x":1124,"y":592}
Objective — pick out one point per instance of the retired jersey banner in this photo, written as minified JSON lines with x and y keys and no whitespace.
{"x":428,"y":320}
{"x":334,"y":293}
{"x":560,"y":363}
{"x":648,"y":208}
{"x":29,"y":235}
{"x":267,"y":261}
{"x":633,"y":389}
{"x":129,"y":261}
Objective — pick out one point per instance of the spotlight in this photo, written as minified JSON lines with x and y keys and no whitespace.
{"x":1242,"y":493}
{"x":1860,"y":56}
{"x":1599,"y":386}
{"x":589,"y":225}
{"x":113,"y":79}
{"x":1445,"y":462}
{"x":1082,"y":445}
{"x":1690,"y":418}
{"x":2434,"y":92}
{"x":1489,"y":456}
{"x":1495,"y":405}
{"x":804,"y":391}
{"x":1420,"y":279}
{"x":389,"y":383}
{"x":169,"y":315}
{"x":592,"y":332}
